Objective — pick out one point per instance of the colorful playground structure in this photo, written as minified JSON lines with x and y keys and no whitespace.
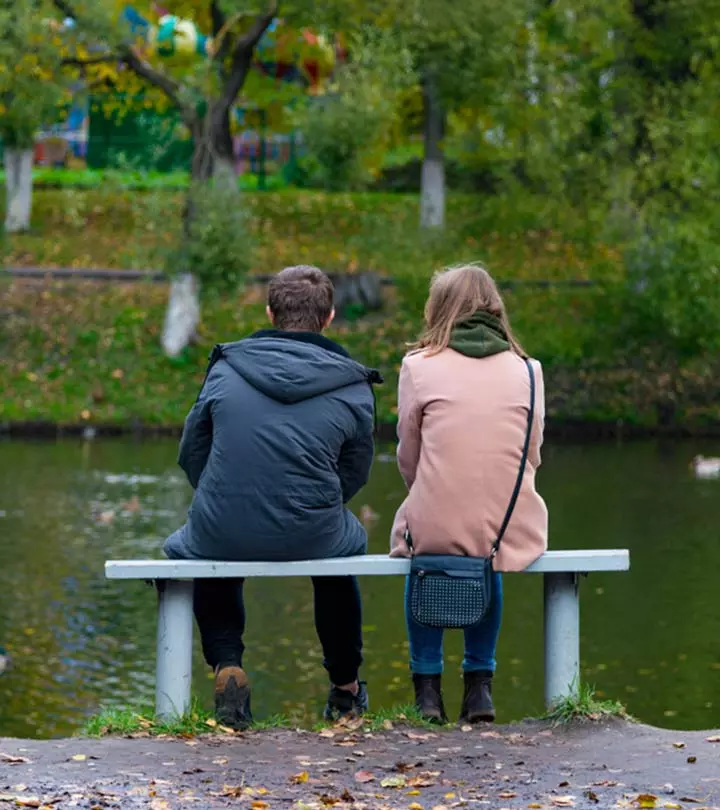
{"x":283,"y":54}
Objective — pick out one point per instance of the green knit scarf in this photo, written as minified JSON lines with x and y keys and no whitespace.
{"x":481,"y":335}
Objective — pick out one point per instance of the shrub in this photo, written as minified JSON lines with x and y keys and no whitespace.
{"x":218,"y":246}
{"x":671,"y":297}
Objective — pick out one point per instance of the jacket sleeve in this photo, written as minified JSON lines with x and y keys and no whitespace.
{"x":409,"y":424}
{"x":196,"y":440}
{"x":538,"y":427}
{"x":356,"y":454}
{"x":354,"y":466}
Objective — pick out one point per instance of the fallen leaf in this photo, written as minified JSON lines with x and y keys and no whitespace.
{"x":327,"y":732}
{"x":27,"y":801}
{"x":678,"y":745}
{"x":364,"y":776}
{"x":563,"y":801}
{"x":394,"y":782}
{"x":671,"y":806}
{"x":347,"y":797}
{"x":646,"y":800}
{"x":211,"y":722}
{"x":220,"y":761}
{"x":258,"y":805}
{"x":421,"y":780}
{"x":450,"y":796}
{"x":328,"y":801}
{"x":413,"y":735}
{"x":692,"y":760}
{"x":690,"y":800}
{"x":79,"y":757}
{"x":535,"y":806}
{"x":714,"y":739}
{"x":506,"y":794}
{"x":591,"y":796}
{"x":564,"y":784}
{"x":159,"y":804}
{"x":11,"y":759}
{"x":415,"y":806}
{"x":465,"y":729}
{"x":413,"y":793}
{"x":300,"y":778}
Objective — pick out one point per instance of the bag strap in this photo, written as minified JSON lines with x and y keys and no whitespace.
{"x":523,"y":462}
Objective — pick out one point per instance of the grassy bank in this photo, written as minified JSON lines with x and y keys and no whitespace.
{"x":89,"y":352}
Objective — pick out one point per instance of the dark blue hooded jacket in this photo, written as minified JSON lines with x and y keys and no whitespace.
{"x":279,"y":440}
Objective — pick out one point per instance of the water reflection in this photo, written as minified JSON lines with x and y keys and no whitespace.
{"x":78,"y":641}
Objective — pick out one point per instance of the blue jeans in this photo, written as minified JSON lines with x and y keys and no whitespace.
{"x":426,"y":643}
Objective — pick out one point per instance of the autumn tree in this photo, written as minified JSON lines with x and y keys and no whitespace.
{"x":32,"y":94}
{"x":204,"y":90}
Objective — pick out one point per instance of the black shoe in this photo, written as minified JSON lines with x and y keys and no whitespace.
{"x":342,"y":703}
{"x":232,"y":698}
{"x":429,"y":699}
{"x":477,"y":705}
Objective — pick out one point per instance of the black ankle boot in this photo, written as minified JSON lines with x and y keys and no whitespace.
{"x":428,"y":698}
{"x":477,"y":705}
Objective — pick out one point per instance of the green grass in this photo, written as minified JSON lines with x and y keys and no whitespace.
{"x":46,"y":177}
{"x":585,"y":706}
{"x":141,"y":720}
{"x":74,"y":352}
{"x":138,"y":720}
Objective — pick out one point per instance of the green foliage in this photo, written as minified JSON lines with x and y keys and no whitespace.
{"x":672,"y":292}
{"x":141,"y":720}
{"x":218,"y":248}
{"x":585,"y":706}
{"x":347,"y":131}
{"x":32,"y":92}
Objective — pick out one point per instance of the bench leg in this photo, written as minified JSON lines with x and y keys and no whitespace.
{"x":174,"y":648}
{"x":562,"y":636}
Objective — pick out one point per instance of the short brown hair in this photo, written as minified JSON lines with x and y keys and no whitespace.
{"x":301,"y":299}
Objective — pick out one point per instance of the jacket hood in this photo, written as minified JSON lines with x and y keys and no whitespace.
{"x":293,"y":366}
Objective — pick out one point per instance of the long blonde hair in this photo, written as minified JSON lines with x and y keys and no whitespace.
{"x":456,"y":294}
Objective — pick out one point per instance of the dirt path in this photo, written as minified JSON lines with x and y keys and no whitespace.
{"x":529,"y":765}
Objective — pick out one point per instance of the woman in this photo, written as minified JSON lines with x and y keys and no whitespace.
{"x":463,"y":409}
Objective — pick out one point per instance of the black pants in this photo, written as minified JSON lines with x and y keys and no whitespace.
{"x":220,"y":614}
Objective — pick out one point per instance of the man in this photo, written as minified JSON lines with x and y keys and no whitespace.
{"x":279,"y":440}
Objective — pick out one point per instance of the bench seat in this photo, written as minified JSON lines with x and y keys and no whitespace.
{"x":174,"y":580}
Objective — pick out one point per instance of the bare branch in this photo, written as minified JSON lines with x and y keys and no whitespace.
{"x":243,"y":53}
{"x":91,"y":60}
{"x":218,"y":17}
{"x":158,"y":78}
{"x":258,"y":28}
{"x":65,"y":8}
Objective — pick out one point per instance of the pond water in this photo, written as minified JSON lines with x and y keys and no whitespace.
{"x":650,"y":638}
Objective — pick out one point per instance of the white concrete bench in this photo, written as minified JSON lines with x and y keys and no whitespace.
{"x":174,"y":580}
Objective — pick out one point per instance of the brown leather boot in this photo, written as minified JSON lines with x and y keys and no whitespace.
{"x":477,"y":705}
{"x":232,"y":698}
{"x":429,"y":699}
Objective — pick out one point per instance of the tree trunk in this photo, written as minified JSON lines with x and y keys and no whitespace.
{"x":18,"y":182}
{"x":432,"y":183}
{"x":212,"y":159}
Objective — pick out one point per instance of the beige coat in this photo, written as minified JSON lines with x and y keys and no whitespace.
{"x":462,"y":423}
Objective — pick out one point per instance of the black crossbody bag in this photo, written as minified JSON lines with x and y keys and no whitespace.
{"x":452,"y":591}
